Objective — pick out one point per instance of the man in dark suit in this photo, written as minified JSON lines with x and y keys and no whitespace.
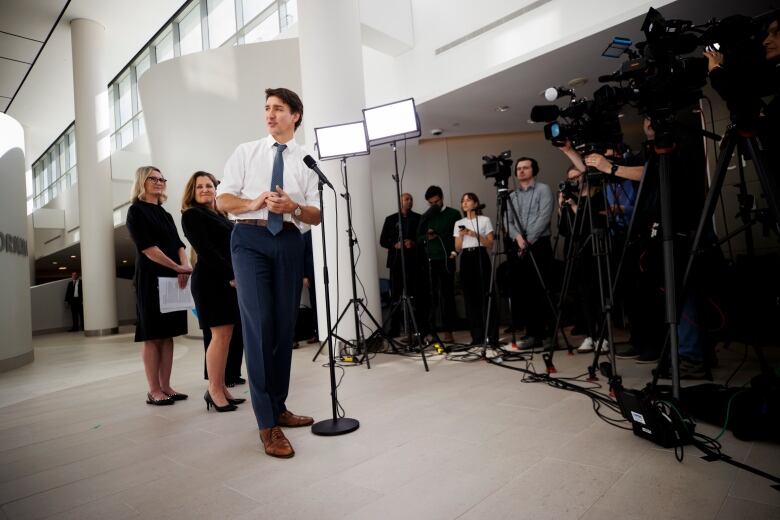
{"x":74,"y":297}
{"x":389,"y":239}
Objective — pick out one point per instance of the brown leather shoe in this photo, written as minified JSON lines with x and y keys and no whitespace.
{"x":275,"y":443}
{"x":290,"y":420}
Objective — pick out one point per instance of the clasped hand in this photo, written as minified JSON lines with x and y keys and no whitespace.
{"x":276,"y":201}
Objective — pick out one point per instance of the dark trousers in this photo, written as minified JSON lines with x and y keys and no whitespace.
{"x":77,"y":314}
{"x":439,"y":294}
{"x":534,"y":304}
{"x":475,"y":281}
{"x":235,"y":354}
{"x":269,"y":277}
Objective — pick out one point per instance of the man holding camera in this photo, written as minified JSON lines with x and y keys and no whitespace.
{"x":529,"y":226}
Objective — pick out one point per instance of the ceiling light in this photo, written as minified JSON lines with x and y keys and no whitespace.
{"x":62,"y":268}
{"x":502,"y":108}
{"x":55,"y":263}
{"x":73,"y":256}
{"x":124,"y":261}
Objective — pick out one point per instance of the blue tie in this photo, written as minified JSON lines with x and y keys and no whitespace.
{"x":275,"y":220}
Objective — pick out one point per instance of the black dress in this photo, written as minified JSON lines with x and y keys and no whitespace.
{"x":150,"y":225}
{"x":216,"y":301}
{"x":209,"y":234}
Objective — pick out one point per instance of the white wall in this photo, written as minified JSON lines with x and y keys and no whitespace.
{"x":15,"y":338}
{"x":51,"y":314}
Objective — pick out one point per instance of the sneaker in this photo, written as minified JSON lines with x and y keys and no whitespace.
{"x":603,"y":345}
{"x":692,"y":370}
{"x":627,"y":353}
{"x":586,"y":346}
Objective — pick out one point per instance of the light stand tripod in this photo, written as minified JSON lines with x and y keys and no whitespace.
{"x":336,"y":425}
{"x":404,"y":304}
{"x":356,"y":304}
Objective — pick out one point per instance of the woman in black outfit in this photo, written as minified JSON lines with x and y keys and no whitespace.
{"x":213,"y":283}
{"x":160,"y":253}
{"x":473,"y":237}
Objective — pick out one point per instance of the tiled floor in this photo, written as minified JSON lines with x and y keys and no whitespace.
{"x":466,"y":440}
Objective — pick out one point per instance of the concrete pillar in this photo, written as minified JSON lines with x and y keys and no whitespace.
{"x":333,"y":92}
{"x":95,"y":205}
{"x":15,"y":321}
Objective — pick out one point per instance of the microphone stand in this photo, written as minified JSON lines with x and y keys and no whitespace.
{"x":337,"y":425}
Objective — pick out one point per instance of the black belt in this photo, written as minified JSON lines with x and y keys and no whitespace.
{"x":264,"y":223}
{"x":472,"y":249}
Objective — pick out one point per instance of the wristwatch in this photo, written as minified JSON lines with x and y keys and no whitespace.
{"x":613,"y":170}
{"x":298,"y":211}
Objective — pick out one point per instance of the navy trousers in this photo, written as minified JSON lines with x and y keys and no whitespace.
{"x":269,"y":278}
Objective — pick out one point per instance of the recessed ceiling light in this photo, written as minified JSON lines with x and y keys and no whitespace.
{"x":73,"y":256}
{"x":55,"y":263}
{"x":62,"y":268}
{"x":502,"y":108}
{"x":124,"y":261}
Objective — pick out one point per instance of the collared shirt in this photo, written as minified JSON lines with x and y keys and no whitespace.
{"x":248,"y":174}
{"x":480,"y":225}
{"x":534,"y":206}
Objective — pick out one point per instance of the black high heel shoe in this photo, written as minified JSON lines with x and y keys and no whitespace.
{"x":236,"y":400}
{"x":176,"y":396}
{"x":210,"y":402}
{"x":158,"y":402}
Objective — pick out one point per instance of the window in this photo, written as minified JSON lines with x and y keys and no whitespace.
{"x":190,"y":38}
{"x":55,"y":171}
{"x":198,"y":25}
{"x":222,"y":21}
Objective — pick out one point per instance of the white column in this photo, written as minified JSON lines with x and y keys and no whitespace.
{"x":333,"y":92}
{"x":96,"y":221}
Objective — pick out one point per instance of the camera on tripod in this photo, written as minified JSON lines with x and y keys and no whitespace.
{"x":569,"y":189}
{"x":498,"y":167}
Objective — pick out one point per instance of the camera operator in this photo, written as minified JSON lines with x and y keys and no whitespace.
{"x":579,"y":206}
{"x":532,"y":206}
{"x":742,"y":95}
{"x":434,"y":235}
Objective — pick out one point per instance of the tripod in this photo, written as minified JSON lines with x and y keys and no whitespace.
{"x":599,"y":239}
{"x":404,"y":303}
{"x":355,"y":303}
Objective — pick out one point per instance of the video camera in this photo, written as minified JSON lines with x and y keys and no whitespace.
{"x":589,"y":124}
{"x":498,"y":167}
{"x":569,"y":189}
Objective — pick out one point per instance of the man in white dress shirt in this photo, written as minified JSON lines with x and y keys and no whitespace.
{"x":273,"y":196}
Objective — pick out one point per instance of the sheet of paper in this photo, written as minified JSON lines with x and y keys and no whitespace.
{"x":172,"y":298}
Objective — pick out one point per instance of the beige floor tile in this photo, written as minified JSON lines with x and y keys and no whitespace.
{"x":110,"y":507}
{"x":738,"y":509}
{"x":549,"y":489}
{"x":765,"y":457}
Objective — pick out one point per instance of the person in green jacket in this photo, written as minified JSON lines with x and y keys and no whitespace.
{"x":434,"y":236}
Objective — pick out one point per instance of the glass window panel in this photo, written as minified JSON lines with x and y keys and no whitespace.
{"x":55,"y":170}
{"x":164,"y":48}
{"x":292,"y":13}
{"x":189,"y":32}
{"x":265,"y":30}
{"x":72,"y":149}
{"x":125,"y":101}
{"x":254,"y":7}
{"x":63,"y":150}
{"x":142,"y":65}
{"x":125,"y":136}
{"x":222,"y":21}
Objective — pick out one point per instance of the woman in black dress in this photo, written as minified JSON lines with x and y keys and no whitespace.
{"x":160,"y":253}
{"x":213,"y":284}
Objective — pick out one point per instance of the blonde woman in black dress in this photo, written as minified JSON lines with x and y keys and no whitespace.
{"x":213,"y":283}
{"x":159,"y":253}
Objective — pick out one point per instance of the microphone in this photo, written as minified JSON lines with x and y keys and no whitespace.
{"x":553,"y":93}
{"x":311,"y":163}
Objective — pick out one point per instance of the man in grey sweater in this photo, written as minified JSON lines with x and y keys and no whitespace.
{"x":529,"y":225}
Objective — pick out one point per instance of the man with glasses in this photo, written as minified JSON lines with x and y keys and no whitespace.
{"x":274,"y":198}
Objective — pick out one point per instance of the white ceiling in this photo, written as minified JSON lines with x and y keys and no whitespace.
{"x":471,"y":110}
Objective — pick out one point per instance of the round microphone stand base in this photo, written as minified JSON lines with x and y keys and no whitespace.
{"x":331,"y":427}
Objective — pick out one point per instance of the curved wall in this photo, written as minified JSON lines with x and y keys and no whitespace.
{"x":15,"y":323}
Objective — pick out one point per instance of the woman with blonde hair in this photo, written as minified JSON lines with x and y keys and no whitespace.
{"x":159,"y":254}
{"x":213,"y":284}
